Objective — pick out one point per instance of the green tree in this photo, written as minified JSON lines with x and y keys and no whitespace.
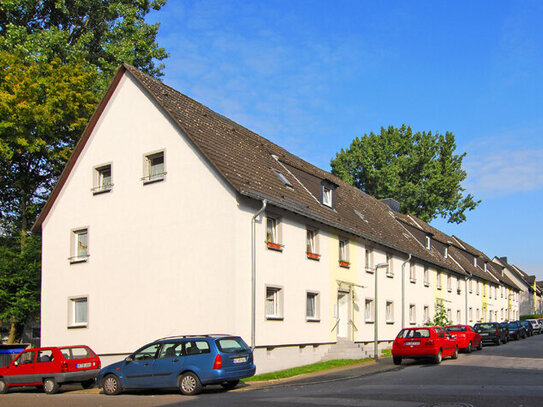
{"x":440,"y":317}
{"x":420,"y":170}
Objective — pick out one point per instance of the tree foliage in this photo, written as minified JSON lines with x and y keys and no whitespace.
{"x":420,"y":170}
{"x":440,"y":317}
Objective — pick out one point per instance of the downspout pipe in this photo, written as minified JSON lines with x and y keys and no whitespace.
{"x":468,"y":278}
{"x":403,"y":289}
{"x":253,"y":272}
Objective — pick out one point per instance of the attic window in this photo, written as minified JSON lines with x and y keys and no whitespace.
{"x":326,"y":196}
{"x":283,"y":178}
{"x":475,"y":261}
{"x":486,"y":266}
{"x":446,"y":252}
{"x":361,"y":215}
{"x":428,"y":243}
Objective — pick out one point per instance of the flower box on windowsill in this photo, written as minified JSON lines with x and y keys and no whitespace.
{"x":343,"y":263}
{"x":313,"y":256}
{"x":274,"y":246}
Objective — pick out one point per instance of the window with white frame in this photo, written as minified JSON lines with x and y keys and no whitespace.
{"x":449,"y":283}
{"x":412,"y":272}
{"x":470,"y":314}
{"x":428,"y":242}
{"x":458,"y":317}
{"x":153,"y":168}
{"x":390,"y":269}
{"x":484,"y":290}
{"x":102,"y":179}
{"x":470,"y":286}
{"x":311,"y":241}
{"x":272,"y":233}
{"x":78,"y":312}
{"x":495,"y":293}
{"x":368,"y":310}
{"x":446,"y":252}
{"x":477,"y":289}
{"x":327,"y":196}
{"x":449,"y":314}
{"x":368,"y":259}
{"x":426,"y":314}
{"x":389,"y":312}
{"x":412,"y":314}
{"x":475,"y":261}
{"x":477,"y":316}
{"x":344,"y":250}
{"x":274,"y":303}
{"x":426,"y":276}
{"x":438,"y":282}
{"x":312,"y":306}
{"x":80,"y":245}
{"x":458,"y":286}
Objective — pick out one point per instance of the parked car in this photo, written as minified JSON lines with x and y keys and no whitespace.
{"x":51,"y":367}
{"x":466,"y":337}
{"x":429,"y":342}
{"x":185,"y":362}
{"x":536,"y":326}
{"x":491,"y":332}
{"x":516,"y":330}
{"x":505,"y":327}
{"x":528,"y":326}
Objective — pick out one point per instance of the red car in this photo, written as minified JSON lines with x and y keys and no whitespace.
{"x":466,"y":337}
{"x":428,"y":342}
{"x":50,"y":367}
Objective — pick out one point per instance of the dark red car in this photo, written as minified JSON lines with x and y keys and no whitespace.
{"x":428,"y":342}
{"x":51,"y":367}
{"x":466,"y":337}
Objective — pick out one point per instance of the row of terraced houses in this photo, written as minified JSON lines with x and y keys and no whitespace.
{"x":172,"y":219}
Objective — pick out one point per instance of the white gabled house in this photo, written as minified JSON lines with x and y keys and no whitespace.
{"x":172,"y":219}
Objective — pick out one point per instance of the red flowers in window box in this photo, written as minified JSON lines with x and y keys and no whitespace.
{"x":274,"y":246}
{"x":344,"y":263}
{"x":313,"y":256}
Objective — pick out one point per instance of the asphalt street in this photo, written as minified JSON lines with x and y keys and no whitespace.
{"x":506,"y":375}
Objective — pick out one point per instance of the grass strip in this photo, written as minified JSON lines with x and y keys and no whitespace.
{"x":295,"y":371}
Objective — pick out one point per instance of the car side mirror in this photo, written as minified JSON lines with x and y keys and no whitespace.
{"x":129,"y":359}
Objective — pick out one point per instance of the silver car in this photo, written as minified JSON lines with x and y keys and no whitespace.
{"x":535,"y":325}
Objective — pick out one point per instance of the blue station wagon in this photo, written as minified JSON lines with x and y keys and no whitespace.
{"x":187,"y":362}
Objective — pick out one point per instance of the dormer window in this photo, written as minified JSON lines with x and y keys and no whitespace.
{"x":446,"y":252}
{"x":326,"y":196}
{"x":428,"y":243}
{"x":475,"y":261}
{"x":486,"y":266}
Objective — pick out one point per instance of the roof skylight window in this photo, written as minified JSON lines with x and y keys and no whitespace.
{"x":284,"y":179}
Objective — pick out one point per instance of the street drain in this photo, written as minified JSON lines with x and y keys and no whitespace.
{"x":447,"y":405}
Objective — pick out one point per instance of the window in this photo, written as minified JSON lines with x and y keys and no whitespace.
{"x":312,"y":306}
{"x":485,"y":266}
{"x":449,"y":314}
{"x":412,"y":272}
{"x":477,"y":316}
{"x":80,"y":246}
{"x":458,"y":286}
{"x":470,"y":314}
{"x":171,"y":350}
{"x":368,"y":257}
{"x":470,"y":286}
{"x":446,"y":252}
{"x":311,"y":244}
{"x":484,"y":290}
{"x":389,"y":312}
{"x":426,"y":315}
{"x":458,"y":317}
{"x":426,"y":276}
{"x":154,"y":167}
{"x":438,"y":280}
{"x":368,"y":310}
{"x":284,"y":179}
{"x":102,"y":179}
{"x":44,"y":356}
{"x":25,"y":358}
{"x":477,"y":289}
{"x":274,"y":300}
{"x":428,"y":242}
{"x":475,"y":261}
{"x":326,"y":196}
{"x":272,"y":234}
{"x":149,"y":352}
{"x":449,"y":283}
{"x":78,"y":316}
{"x":412,"y":314}
{"x":344,"y":253}
{"x":390,"y":270}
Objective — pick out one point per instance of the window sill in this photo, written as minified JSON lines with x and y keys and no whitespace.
{"x":439,"y":288}
{"x":273,"y":318}
{"x":390,"y":322}
{"x":75,"y":260}
{"x":344,"y":264}
{"x":313,"y":256}
{"x":369,"y":270}
{"x":77,"y":326}
{"x":427,"y":284}
{"x":370,"y":322}
{"x":414,"y":281}
{"x":275,"y":246}
{"x":412,"y":323}
{"x":449,"y":290}
{"x":101,"y":190}
{"x":147,"y":180}
{"x":390,"y":275}
{"x":312,"y":320}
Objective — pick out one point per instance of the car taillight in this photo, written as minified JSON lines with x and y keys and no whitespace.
{"x":99,"y":364}
{"x":218,"y":362}
{"x":64,"y":366}
{"x":496,"y":332}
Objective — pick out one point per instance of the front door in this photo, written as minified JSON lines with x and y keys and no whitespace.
{"x":343,"y":314}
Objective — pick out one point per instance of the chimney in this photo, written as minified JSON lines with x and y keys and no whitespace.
{"x":504,"y":259}
{"x":392,"y":204}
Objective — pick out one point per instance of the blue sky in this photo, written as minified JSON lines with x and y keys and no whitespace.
{"x":312,"y":75}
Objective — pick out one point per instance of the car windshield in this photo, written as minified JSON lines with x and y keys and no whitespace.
{"x":414,"y":333}
{"x":456,"y":328}
{"x":231,"y":345}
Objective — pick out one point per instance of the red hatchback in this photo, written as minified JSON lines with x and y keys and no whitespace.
{"x":466,"y":337}
{"x":50,"y":367}
{"x":428,"y":342}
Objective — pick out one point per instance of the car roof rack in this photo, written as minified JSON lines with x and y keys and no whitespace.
{"x":193,"y":336}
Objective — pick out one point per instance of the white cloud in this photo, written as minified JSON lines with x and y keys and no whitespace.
{"x":505,"y":172}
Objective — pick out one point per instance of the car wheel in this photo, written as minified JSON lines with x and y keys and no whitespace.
{"x":438,"y":358}
{"x":230,"y":384}
{"x":469,"y":349}
{"x":189,"y":384}
{"x":455,"y":354}
{"x":50,"y":386}
{"x":397,"y":360}
{"x":3,"y":387}
{"x":87,"y":384}
{"x":480,"y":347}
{"x":111,"y":385}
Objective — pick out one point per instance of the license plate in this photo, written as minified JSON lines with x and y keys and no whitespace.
{"x":239,"y":360}
{"x":412,"y":343}
{"x":82,"y":365}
